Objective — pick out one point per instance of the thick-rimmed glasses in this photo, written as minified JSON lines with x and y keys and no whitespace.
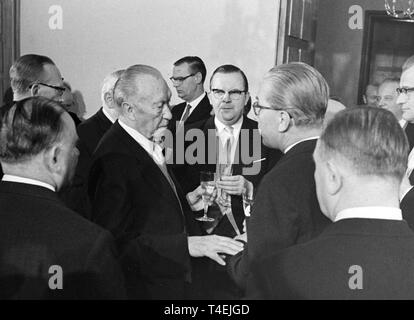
{"x":179,"y":80}
{"x":59,"y":89}
{"x":233,"y":94}
{"x":257,"y":108}
{"x":404,"y":90}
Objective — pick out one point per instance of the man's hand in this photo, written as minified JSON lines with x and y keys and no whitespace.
{"x":211,"y":246}
{"x":235,"y":185}
{"x":195,"y":199}
{"x":242,"y":237}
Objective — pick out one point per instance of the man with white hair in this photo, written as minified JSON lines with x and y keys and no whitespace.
{"x":135,"y":196}
{"x":90,"y":132}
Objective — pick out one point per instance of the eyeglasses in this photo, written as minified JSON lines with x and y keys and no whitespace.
{"x":233,"y":94}
{"x":179,"y":80}
{"x":60,"y":90}
{"x":404,"y":90}
{"x":257,"y":107}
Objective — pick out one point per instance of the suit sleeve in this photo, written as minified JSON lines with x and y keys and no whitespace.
{"x":273,"y":224}
{"x":104,"y":273}
{"x":115,"y":189}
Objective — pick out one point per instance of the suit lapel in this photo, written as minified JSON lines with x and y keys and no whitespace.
{"x":202,"y":111}
{"x":151,"y":172}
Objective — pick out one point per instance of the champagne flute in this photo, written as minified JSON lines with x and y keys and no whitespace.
{"x":208,"y":184}
{"x":247,"y":203}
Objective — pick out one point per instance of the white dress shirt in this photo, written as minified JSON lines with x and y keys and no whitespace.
{"x":294,"y":144}
{"x":13,"y":178}
{"x":153,"y":149}
{"x":385,"y":213}
{"x":223,"y":134}
{"x":106,"y":113}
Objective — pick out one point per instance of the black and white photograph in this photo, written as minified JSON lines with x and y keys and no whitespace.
{"x":206,"y":155}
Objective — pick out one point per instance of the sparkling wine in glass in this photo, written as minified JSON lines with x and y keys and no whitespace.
{"x":208,"y":184}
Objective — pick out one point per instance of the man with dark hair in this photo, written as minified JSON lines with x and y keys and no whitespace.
{"x":135,"y":196}
{"x":368,"y":252}
{"x":35,"y":75}
{"x":189,"y":74}
{"x":240,"y":160}
{"x":38,"y":234}
{"x":290,"y":108}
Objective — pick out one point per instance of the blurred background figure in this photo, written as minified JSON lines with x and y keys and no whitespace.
{"x":69,"y":103}
{"x":371,"y":96}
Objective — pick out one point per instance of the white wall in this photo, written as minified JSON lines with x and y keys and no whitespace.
{"x":100,"y":36}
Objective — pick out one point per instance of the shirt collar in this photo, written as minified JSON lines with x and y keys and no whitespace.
{"x":153,"y":149}
{"x":196,"y":101}
{"x":236,"y":127}
{"x":294,"y":144}
{"x":106,"y":113}
{"x":402,"y":123}
{"x":13,"y":178}
{"x":385,"y":213}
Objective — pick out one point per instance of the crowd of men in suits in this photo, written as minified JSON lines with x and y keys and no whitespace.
{"x":117,"y":208}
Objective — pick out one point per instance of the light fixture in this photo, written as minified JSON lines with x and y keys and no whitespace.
{"x":402,"y":9}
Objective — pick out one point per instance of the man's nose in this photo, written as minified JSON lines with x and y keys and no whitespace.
{"x":402,"y":98}
{"x":226,"y":97}
{"x":167,"y":113}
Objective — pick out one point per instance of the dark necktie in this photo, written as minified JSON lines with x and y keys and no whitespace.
{"x":186,"y":114}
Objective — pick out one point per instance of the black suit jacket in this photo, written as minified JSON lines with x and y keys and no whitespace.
{"x":409,"y":131}
{"x":90,"y":133}
{"x":201,"y":112}
{"x":131,"y":197}
{"x":286,"y":210}
{"x":407,"y":208}
{"x":36,"y":232}
{"x":323,"y":268}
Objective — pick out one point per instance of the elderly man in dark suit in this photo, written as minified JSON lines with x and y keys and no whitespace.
{"x":368,"y":252}
{"x":47,"y":251}
{"x":290,"y":109}
{"x":90,"y":133}
{"x":135,"y":196}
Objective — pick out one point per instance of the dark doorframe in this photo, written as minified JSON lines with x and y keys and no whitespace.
{"x":9,"y":40}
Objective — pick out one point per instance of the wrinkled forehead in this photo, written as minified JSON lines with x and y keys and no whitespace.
{"x":388,"y":88}
{"x":228,"y":81}
{"x":371,"y":90}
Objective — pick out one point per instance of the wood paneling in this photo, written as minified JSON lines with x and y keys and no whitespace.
{"x":9,"y":39}
{"x":296,"y":31}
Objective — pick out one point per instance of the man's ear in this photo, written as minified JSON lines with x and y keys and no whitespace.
{"x":129,"y":111}
{"x":198,"y":77}
{"x":334,"y":178}
{"x":210,"y":98}
{"x":109,"y":99}
{"x":284,"y":122}
{"x":34,"y":90}
{"x":52,"y":159}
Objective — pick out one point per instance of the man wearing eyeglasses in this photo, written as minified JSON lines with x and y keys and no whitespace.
{"x":188,"y":78}
{"x":35,"y":75}
{"x":290,"y":109}
{"x":232,"y":136}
